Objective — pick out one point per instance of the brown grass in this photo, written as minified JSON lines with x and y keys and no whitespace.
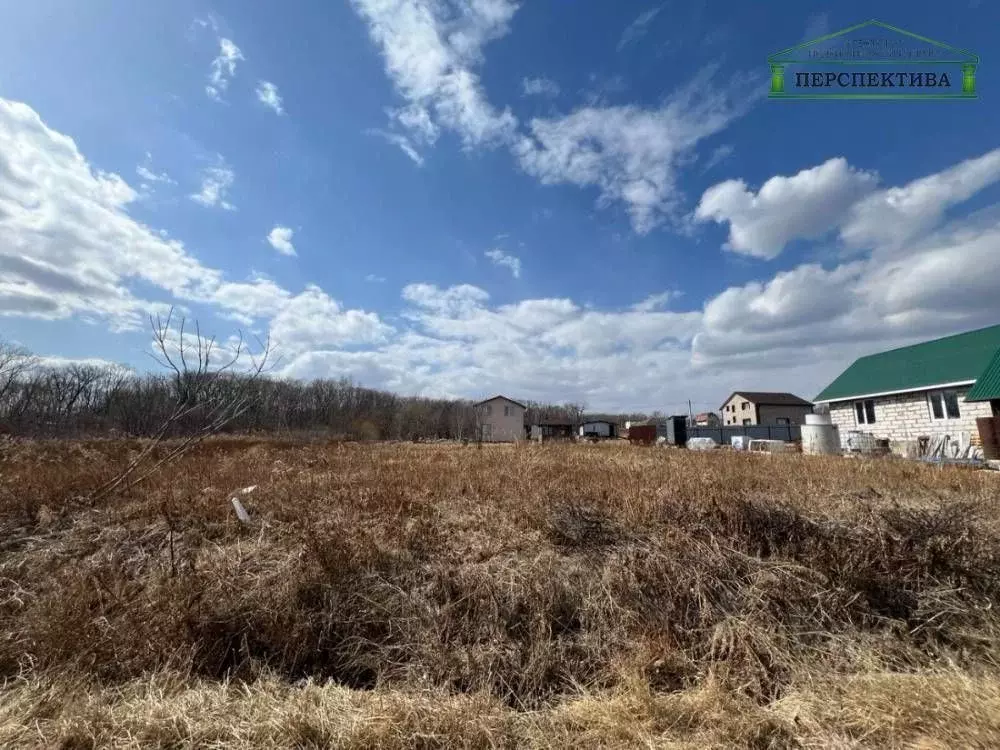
{"x":437,"y":595}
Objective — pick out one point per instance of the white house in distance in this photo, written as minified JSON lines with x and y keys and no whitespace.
{"x":939,"y":387}
{"x":500,"y":420}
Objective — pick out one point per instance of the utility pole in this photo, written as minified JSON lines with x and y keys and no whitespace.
{"x":690,"y":412}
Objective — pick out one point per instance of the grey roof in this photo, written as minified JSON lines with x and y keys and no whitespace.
{"x":503,"y":398}
{"x":764,"y":398}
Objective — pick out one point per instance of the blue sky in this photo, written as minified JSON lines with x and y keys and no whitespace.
{"x":584,"y":201}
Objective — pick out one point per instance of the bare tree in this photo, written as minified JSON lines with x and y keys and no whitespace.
{"x":204,"y":392}
{"x":15,"y":362}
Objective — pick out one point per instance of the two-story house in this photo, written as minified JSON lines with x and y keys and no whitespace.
{"x":500,"y":420}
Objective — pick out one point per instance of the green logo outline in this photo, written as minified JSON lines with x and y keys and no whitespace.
{"x":968,"y":60}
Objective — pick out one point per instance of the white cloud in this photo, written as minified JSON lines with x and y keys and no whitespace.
{"x":375,"y":279}
{"x":630,"y":154}
{"x":540,"y":87}
{"x":223,"y":68}
{"x":638,"y":28}
{"x":402,"y":142}
{"x":807,"y":205}
{"x":313,"y":320}
{"x":655,"y":301}
{"x":215,"y":183}
{"x":69,"y":249}
{"x":719,"y":155}
{"x":836,"y":196}
{"x":146,"y":172}
{"x":280,"y":239}
{"x":431,"y":50}
{"x":267,"y":94}
{"x":58,"y":363}
{"x":209,"y":21}
{"x":500,"y":258}
{"x":895,"y":216}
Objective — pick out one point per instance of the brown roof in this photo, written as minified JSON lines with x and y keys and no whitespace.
{"x":502,"y":398}
{"x":763,"y":398}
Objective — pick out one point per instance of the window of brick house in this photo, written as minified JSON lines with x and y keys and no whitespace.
{"x":489,"y":409}
{"x":865,"y":411}
{"x":944,"y":404}
{"x":506,"y":411}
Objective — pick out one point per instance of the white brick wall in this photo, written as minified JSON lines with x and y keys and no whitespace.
{"x":907,"y":416}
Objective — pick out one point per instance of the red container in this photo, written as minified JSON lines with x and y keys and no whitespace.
{"x":642,"y":434}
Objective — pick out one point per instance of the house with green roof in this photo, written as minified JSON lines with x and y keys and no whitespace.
{"x":939,"y":387}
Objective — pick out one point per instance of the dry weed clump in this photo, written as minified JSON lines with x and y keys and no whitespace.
{"x":440,"y":595}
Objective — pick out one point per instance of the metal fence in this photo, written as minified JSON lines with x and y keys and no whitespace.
{"x":722,"y":435}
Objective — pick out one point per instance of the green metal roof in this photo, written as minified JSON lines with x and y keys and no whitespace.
{"x":987,"y":385}
{"x":953,"y":359}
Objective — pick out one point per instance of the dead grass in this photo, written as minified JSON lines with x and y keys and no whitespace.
{"x":413,"y":595}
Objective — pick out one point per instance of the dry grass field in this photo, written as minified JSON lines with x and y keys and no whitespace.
{"x":530,"y":596}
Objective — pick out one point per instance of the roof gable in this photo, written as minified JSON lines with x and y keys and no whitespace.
{"x":765,"y":398}
{"x":950,"y":360}
{"x":987,"y":387}
{"x":502,"y":398}
{"x":941,"y":52}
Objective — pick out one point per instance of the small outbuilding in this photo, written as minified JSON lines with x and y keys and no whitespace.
{"x":599,"y":428}
{"x":553,"y":429}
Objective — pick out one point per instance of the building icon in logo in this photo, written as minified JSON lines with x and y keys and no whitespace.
{"x":873,"y":60}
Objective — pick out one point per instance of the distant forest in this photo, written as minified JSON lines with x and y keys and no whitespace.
{"x":40,"y":400}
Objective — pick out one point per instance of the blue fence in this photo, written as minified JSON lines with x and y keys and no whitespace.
{"x":722,"y":435}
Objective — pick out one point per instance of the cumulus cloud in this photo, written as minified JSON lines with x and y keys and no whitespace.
{"x":894,"y":216}
{"x":215,"y":183}
{"x":500,"y":258}
{"x":70,"y":249}
{"x":639,"y":27}
{"x":835,"y":196}
{"x":540,"y":87}
{"x":806,"y":205}
{"x":945,"y":283}
{"x":267,"y":94}
{"x":280,"y":238}
{"x":223,"y":68}
{"x":314,"y":320}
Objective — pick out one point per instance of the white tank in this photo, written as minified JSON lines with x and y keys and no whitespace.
{"x":820,"y":439}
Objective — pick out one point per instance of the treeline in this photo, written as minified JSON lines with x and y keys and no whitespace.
{"x":82,"y":399}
